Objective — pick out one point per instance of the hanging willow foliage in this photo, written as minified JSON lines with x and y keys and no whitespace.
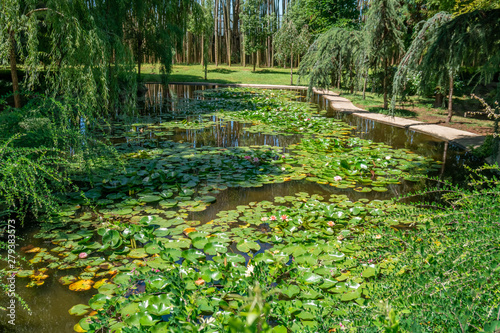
{"x":444,"y":44}
{"x":337,"y":56}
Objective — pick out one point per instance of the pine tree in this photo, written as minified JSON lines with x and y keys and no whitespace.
{"x":335,"y":56}
{"x":444,"y":44}
{"x":384,"y":27}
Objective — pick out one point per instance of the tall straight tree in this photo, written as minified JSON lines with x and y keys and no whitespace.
{"x":216,"y":32}
{"x":255,"y":28}
{"x":384,"y":26}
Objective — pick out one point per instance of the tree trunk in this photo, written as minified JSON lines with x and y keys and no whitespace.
{"x":364,"y":84}
{"x":254,"y":60}
{"x":13,"y":70}
{"x":438,"y":101}
{"x":188,"y":47}
{"x":386,"y":102}
{"x":227,"y":32}
{"x":202,"y":60}
{"x":340,"y":74}
{"x":139,"y":55}
{"x":268,"y":53}
{"x":236,"y":33}
{"x":450,"y":99}
{"x":243,"y":55}
{"x":216,"y":32}
{"x":291,"y":69}
{"x":258,"y":59}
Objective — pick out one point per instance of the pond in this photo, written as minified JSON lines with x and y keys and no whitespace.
{"x":236,"y":171}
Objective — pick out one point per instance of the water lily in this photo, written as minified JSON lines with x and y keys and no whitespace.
{"x":249,"y":271}
{"x":255,"y":159}
{"x":284,"y":217}
{"x":264,"y":219}
{"x":337,"y":178}
{"x":283,"y":156}
{"x":83,"y":255}
{"x":331,"y":223}
{"x":247,"y":157}
{"x":387,"y":157}
{"x":378,"y":236}
{"x":283,"y":169}
{"x":273,"y":218}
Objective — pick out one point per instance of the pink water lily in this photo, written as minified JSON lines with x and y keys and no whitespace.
{"x":284,"y":217}
{"x":255,"y":159}
{"x":247,"y":157}
{"x":331,"y":223}
{"x":83,"y":255}
{"x":273,"y":218}
{"x":337,"y":178}
{"x":264,"y":219}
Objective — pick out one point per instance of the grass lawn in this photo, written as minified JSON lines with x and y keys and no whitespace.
{"x":421,"y":109}
{"x":223,"y":74}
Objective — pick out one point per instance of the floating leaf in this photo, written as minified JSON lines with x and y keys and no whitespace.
{"x":79,"y":310}
{"x":81,"y":285}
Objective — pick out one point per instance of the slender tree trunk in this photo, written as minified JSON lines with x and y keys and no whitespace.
{"x":216,"y":32}
{"x":386,"y":102}
{"x":236,"y":33}
{"x":364,"y":84}
{"x":202,"y":60}
{"x":13,"y":69}
{"x":139,"y":56}
{"x":268,"y":53}
{"x":188,"y":47}
{"x":228,"y":32}
{"x":258,"y":59}
{"x":254,"y":60}
{"x":450,"y":99}
{"x":243,"y":54}
{"x":291,"y":68}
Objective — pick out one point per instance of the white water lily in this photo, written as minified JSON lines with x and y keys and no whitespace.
{"x":249,"y":271}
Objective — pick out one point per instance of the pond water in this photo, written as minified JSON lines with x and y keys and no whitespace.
{"x":153,"y":130}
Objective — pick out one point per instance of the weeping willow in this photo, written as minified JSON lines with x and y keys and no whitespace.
{"x":79,"y":61}
{"x":337,"y":57}
{"x":445,"y":44}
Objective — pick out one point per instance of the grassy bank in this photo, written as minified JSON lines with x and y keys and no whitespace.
{"x":223,"y":74}
{"x":422,"y":109}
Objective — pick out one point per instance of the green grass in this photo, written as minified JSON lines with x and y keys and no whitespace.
{"x":223,"y":74}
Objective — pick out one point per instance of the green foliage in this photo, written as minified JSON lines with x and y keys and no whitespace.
{"x":444,"y":44}
{"x":322,"y":15}
{"x":384,"y":26}
{"x":255,"y":27}
{"x":28,"y":178}
{"x":337,"y":55}
{"x":289,"y":42}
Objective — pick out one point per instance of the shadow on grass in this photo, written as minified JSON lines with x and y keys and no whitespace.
{"x":398,"y":112}
{"x":174,"y":77}
{"x":221,"y":71}
{"x":270,"y":71}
